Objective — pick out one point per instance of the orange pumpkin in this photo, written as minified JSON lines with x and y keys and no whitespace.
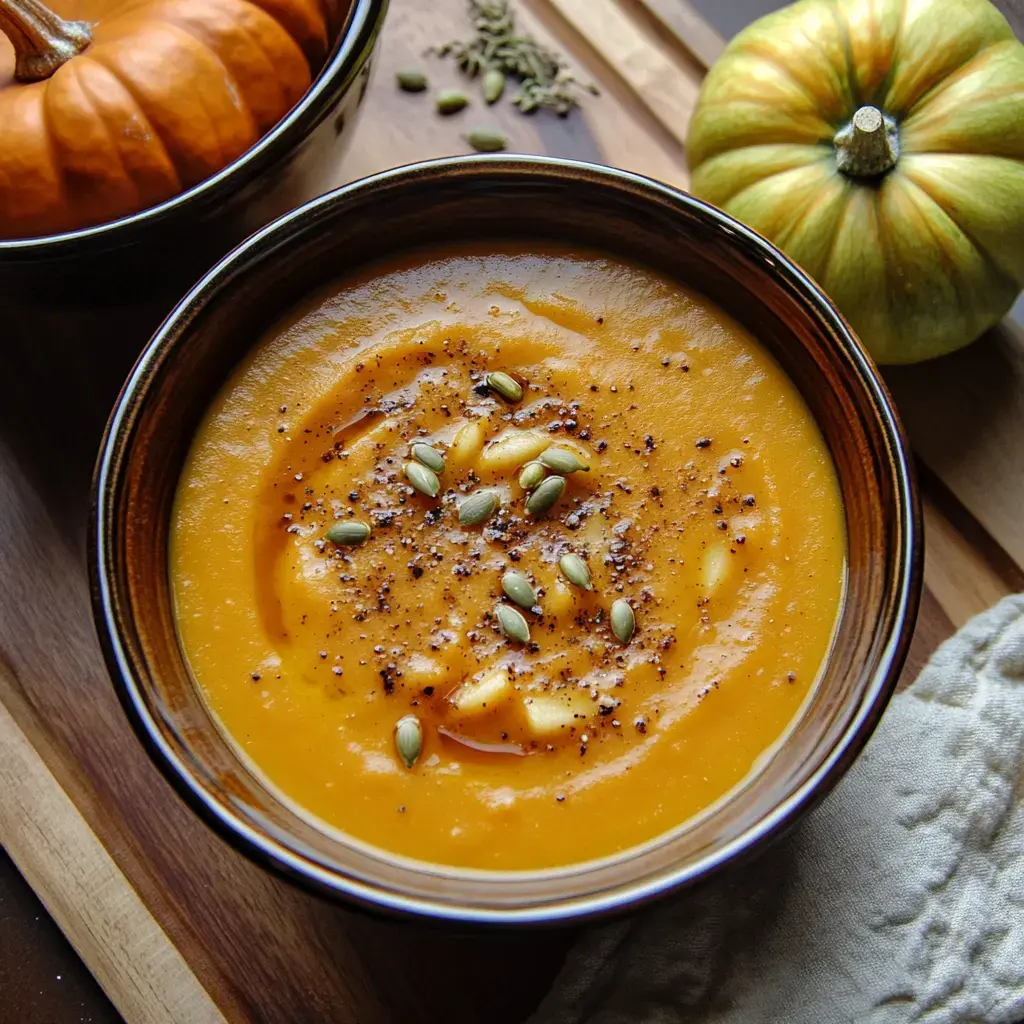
{"x":101,"y":121}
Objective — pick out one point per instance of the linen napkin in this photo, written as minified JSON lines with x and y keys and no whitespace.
{"x":899,"y":899}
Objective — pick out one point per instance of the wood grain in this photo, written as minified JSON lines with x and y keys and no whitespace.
{"x":668,"y":90}
{"x":88,"y":896}
{"x":687,"y":29}
{"x":965,"y":417}
{"x":259,"y":949}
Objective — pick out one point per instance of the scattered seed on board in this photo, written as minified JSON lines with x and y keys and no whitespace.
{"x":409,"y":739}
{"x":351,"y":531}
{"x":575,"y":570}
{"x":517,"y":588}
{"x":430,"y":457}
{"x":478,"y":508}
{"x":424,"y":480}
{"x":623,"y":621}
{"x":451,"y":101}
{"x":531,"y":475}
{"x":561,"y":460}
{"x":546,"y":494}
{"x":411,"y":80}
{"x":508,"y":387}
{"x":512,"y":623}
{"x":486,"y":140}
{"x":493,"y":84}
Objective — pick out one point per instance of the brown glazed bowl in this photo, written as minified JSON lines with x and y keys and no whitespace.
{"x":499,"y":198}
{"x":71,"y":288}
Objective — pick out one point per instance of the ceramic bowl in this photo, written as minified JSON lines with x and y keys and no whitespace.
{"x":526,"y":199}
{"x":74,"y":281}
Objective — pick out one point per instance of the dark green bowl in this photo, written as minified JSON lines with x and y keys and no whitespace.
{"x":533,"y":200}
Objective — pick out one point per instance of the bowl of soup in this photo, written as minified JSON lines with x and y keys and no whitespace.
{"x":504,"y":540}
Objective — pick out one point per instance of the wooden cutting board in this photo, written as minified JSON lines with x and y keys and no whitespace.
{"x":176,"y":926}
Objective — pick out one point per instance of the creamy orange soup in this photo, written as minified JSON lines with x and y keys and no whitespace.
{"x":709,"y":506}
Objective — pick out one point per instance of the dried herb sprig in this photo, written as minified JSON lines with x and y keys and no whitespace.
{"x":545,"y":80}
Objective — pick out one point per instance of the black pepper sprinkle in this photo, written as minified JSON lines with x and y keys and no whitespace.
{"x":703,"y":442}
{"x":255,"y":677}
{"x":428,"y":691}
{"x":749,"y":500}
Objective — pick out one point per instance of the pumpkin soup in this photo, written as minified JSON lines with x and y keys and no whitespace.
{"x":507,"y":559}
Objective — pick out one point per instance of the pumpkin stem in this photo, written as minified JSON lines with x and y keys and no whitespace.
{"x":868,"y":146}
{"x":42,"y":40}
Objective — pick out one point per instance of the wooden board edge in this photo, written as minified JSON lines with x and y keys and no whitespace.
{"x":688,"y":28}
{"x":121,"y":943}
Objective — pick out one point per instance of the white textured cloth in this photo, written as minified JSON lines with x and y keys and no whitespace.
{"x":899,"y":899}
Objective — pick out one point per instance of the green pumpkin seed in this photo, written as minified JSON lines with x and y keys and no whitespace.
{"x":561,"y":460}
{"x":351,"y":531}
{"x":513,"y":625}
{"x":411,"y":80}
{"x":623,"y":621}
{"x":409,"y":739}
{"x":478,"y":508}
{"x":506,"y":386}
{"x":424,"y":480}
{"x":576,"y":571}
{"x":430,"y":457}
{"x":517,"y":588}
{"x":493,"y":84}
{"x":486,"y":140}
{"x":531,"y":475}
{"x":546,"y":494}
{"x":451,"y":101}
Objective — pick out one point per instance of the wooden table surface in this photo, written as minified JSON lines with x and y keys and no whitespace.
{"x":176,"y":926}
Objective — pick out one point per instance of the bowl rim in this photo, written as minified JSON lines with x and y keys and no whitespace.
{"x":345,"y":59}
{"x":907,"y":570}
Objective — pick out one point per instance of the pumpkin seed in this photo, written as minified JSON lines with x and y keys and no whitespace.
{"x":575,"y":570}
{"x":486,"y":140}
{"x":531,"y":475}
{"x":623,"y":621}
{"x":430,"y":457}
{"x":493,"y":84}
{"x":424,"y":480}
{"x":478,"y":508}
{"x":546,"y":494}
{"x":506,"y":386}
{"x":451,"y":101}
{"x":561,"y":460}
{"x":517,"y":588}
{"x":351,"y":531}
{"x":409,"y":739}
{"x":513,"y":625}
{"x":411,"y":80}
